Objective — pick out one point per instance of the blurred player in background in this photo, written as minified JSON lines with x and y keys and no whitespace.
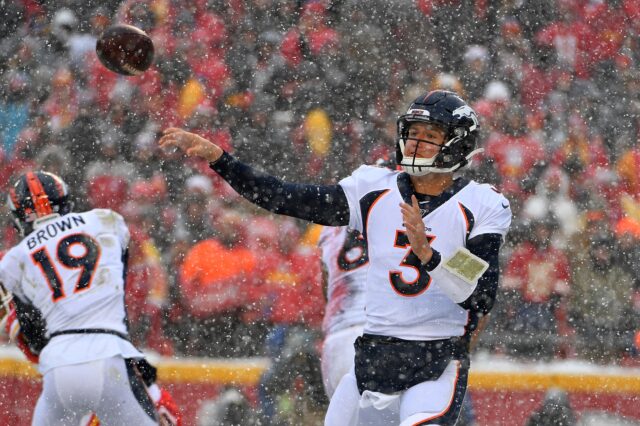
{"x":66,"y":278}
{"x":433,"y":242}
{"x":344,"y":261}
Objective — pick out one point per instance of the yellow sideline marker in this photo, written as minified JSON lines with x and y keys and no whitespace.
{"x":524,"y":381}
{"x":247,"y":373}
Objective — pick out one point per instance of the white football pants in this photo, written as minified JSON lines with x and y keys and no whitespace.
{"x":104,"y":387}
{"x":337,"y":356}
{"x":422,"y":402}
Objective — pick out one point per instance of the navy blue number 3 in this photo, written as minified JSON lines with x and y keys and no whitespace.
{"x":410,"y":260}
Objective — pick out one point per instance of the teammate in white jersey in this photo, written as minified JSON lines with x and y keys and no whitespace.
{"x":345,"y":263}
{"x":433,"y":244}
{"x":67,"y":281}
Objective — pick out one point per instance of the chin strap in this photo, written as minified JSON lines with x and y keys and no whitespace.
{"x":410,"y":169}
{"x":474,"y":152}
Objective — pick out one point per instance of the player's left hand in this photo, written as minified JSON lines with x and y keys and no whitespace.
{"x":12,"y":328}
{"x":412,"y":219}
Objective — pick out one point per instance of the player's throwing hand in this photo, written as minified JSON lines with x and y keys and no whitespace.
{"x":191,"y":144}
{"x":412,"y":219}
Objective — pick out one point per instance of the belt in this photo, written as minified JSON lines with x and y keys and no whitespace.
{"x":90,"y":331}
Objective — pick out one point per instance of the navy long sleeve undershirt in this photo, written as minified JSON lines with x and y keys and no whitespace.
{"x":487,"y":247}
{"x":327,"y":205}
{"x":321,"y":204}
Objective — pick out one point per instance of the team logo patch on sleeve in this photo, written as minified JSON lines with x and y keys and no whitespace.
{"x":466,"y":265}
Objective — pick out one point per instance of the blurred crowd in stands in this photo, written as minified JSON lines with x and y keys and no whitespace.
{"x":309,"y":90}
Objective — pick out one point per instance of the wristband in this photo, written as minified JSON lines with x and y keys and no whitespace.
{"x":433,"y":262}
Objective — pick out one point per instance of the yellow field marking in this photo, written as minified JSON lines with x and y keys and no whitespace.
{"x":541,"y":381}
{"x":247,"y":373}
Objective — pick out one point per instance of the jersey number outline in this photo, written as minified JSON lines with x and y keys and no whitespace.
{"x":410,"y":260}
{"x":87,"y":262}
{"x":353,"y":240}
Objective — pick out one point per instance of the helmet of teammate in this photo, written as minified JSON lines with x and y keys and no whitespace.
{"x":37,"y":195}
{"x":456,"y":118}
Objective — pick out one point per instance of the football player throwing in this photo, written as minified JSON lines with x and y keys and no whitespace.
{"x":433,"y":242}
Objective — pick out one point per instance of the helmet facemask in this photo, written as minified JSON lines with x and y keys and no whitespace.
{"x":414,"y":164}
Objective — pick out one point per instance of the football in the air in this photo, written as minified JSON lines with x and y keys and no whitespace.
{"x":125,"y":49}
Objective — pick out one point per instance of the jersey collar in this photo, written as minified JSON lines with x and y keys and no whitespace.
{"x":406,"y":190}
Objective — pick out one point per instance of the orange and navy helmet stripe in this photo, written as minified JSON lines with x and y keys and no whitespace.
{"x":39,"y":197}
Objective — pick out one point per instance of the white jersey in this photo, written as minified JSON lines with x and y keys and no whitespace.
{"x":401,"y":302}
{"x":71,"y":269}
{"x":344,"y":256}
